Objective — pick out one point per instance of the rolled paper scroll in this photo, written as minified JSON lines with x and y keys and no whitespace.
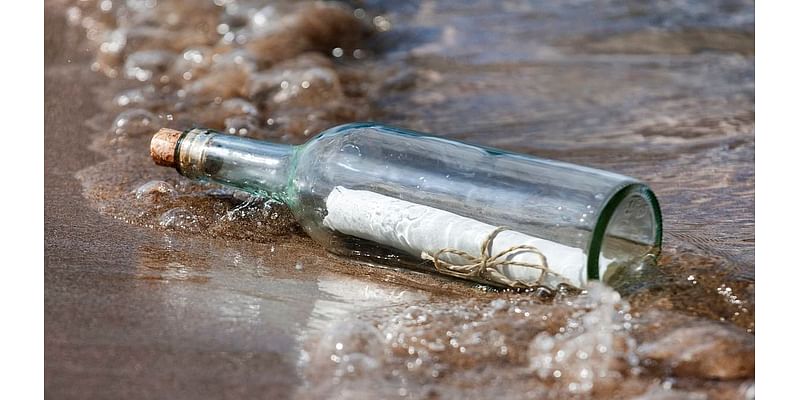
{"x":423,"y":231}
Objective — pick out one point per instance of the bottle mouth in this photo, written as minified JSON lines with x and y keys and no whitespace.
{"x":190,"y":153}
{"x":628,"y":231}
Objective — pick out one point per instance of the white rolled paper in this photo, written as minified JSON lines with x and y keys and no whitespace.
{"x":418,"y":229}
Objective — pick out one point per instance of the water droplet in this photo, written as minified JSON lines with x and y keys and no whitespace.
{"x":351,"y":149}
{"x":136,"y":122}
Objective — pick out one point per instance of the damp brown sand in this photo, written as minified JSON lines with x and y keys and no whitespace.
{"x":157,"y":287}
{"x":133,"y":312}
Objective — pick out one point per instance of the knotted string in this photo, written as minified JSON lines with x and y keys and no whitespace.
{"x":486,"y":266}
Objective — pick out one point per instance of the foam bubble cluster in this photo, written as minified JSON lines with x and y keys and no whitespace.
{"x":191,"y":57}
{"x":513,"y":346}
{"x":282,"y":71}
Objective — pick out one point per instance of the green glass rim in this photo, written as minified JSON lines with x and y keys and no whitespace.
{"x":177,"y":151}
{"x":608,"y":209}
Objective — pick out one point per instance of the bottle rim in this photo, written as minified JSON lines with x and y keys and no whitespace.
{"x":607,"y":212}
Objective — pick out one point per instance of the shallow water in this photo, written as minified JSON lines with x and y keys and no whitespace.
{"x":658,"y":90}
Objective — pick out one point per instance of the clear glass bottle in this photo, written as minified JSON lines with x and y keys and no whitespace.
{"x":394,"y":197}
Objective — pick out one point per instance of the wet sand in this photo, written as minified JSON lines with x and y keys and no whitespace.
{"x":136,"y":307}
{"x":108,"y":332}
{"x":132,"y":312}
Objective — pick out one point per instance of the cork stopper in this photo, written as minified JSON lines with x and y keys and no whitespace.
{"x":162,"y":147}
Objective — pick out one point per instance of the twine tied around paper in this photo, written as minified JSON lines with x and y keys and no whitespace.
{"x":486,"y":266}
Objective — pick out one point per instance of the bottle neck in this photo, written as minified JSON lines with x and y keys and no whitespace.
{"x":257,"y":167}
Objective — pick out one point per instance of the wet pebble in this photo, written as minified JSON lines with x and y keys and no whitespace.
{"x":710,"y":351}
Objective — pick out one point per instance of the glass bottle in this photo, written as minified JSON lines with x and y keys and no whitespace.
{"x":390,"y":196}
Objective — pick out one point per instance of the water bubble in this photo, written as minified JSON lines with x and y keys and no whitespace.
{"x":196,"y":55}
{"x":382,"y":23}
{"x":309,"y":87}
{"x":181,"y":219}
{"x":153,"y":188}
{"x":106,"y":5}
{"x":416,"y":314}
{"x":265,"y":19}
{"x":145,"y":96}
{"x":239,"y":106}
{"x":115,"y":42}
{"x":593,"y":349}
{"x":74,"y":15}
{"x":499,"y":304}
{"x":147,"y":64}
{"x":436,"y":346}
{"x":242,"y":125}
{"x":141,"y":5}
{"x":136,"y":122}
